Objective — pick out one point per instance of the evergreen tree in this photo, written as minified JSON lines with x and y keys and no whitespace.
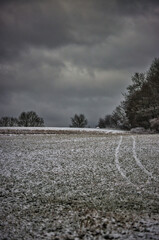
{"x":101,"y":123}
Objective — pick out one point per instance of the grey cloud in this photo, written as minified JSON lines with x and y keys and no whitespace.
{"x":37,"y":23}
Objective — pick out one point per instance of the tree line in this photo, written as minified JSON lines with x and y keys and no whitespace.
{"x":140,"y":107}
{"x":25,"y":119}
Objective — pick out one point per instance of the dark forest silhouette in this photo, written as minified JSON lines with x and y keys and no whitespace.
{"x":140,"y":107}
{"x":26,"y":119}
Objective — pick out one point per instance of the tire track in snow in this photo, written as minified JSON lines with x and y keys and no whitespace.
{"x":123,"y":174}
{"x":138,"y":161}
{"x":117,"y":162}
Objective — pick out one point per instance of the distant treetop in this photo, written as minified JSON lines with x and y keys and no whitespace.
{"x":26,"y":119}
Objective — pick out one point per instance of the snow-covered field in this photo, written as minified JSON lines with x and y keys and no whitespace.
{"x":79,"y":186}
{"x":56,"y":130}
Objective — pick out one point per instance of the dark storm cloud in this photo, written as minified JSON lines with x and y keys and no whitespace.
{"x":38,"y":23}
{"x":54,"y":23}
{"x":62,"y":57}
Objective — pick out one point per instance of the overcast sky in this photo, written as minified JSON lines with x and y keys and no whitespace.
{"x":61,"y":57}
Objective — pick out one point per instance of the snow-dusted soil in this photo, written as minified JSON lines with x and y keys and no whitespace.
{"x":86,"y":186}
{"x":56,"y":130}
